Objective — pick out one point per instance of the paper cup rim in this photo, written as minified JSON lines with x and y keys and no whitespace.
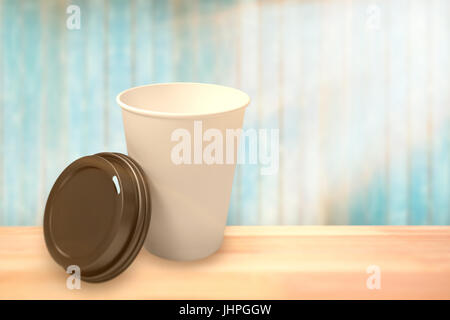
{"x":179,"y":115}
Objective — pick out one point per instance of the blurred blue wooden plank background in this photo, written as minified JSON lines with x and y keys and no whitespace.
{"x":359,"y":90}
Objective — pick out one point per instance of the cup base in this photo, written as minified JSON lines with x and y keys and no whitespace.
{"x":179,"y":256}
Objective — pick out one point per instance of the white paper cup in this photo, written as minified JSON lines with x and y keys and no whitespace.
{"x":189,"y":201}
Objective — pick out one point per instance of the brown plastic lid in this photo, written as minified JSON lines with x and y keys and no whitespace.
{"x":97,"y":215}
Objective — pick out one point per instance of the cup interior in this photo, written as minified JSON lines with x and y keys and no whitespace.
{"x":182,"y":99}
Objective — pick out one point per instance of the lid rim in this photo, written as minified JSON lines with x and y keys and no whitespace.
{"x":128,"y":255}
{"x":179,"y":115}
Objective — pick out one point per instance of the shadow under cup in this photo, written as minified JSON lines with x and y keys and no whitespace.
{"x":185,"y":136}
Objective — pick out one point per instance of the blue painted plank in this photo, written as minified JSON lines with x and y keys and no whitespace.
{"x":206,"y":48}
{"x":309,"y":166}
{"x":119,"y":71}
{"x":183,"y":44}
{"x":2,"y":123}
{"x":439,"y":46}
{"x":293,"y":88}
{"x":30,"y":94}
{"x":144,"y":34}
{"x":162,"y":45}
{"x":269,"y":73}
{"x":418,"y":115}
{"x":358,"y":160}
{"x":249,"y":173}
{"x":398,"y":205}
{"x":93,"y":77}
{"x":75,"y":73}
{"x":12,"y":112}
{"x":55,"y":119}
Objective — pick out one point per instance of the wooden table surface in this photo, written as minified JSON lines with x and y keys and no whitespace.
{"x":295,"y":262}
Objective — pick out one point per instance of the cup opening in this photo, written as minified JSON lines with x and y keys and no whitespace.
{"x":182,"y":100}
